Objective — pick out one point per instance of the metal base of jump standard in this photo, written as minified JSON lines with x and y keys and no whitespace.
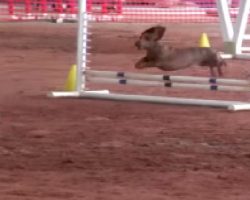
{"x":105,"y":95}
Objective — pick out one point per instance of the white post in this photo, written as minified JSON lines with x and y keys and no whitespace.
{"x":241,"y":25}
{"x":226,"y":23}
{"x":82,"y":44}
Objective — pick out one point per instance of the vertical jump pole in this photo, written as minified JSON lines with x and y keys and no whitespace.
{"x":226,"y":23}
{"x":81,"y":45}
{"x":226,"y":26}
{"x":241,"y":25}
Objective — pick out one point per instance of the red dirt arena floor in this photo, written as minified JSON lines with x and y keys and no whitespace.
{"x":102,"y":150}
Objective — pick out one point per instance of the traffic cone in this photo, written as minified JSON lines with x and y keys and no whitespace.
{"x":70,"y":84}
{"x":204,"y":41}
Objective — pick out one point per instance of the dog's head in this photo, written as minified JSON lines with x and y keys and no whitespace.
{"x":149,"y":37}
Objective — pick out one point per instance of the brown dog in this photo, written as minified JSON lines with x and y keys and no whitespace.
{"x":170,"y":59}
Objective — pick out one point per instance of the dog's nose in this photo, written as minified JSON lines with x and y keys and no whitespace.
{"x":137,"y":44}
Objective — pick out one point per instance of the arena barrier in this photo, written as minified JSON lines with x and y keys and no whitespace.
{"x":84,"y":76}
{"x":114,"y":10}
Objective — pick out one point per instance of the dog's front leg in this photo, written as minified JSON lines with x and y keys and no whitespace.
{"x":212,"y":72}
{"x":220,"y":72}
{"x":144,"y":63}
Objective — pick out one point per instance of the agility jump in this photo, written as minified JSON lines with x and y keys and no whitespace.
{"x":83,"y":76}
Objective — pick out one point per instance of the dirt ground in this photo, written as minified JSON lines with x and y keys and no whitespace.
{"x":102,"y":150}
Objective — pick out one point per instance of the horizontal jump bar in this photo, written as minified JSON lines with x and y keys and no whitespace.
{"x":154,"y":77}
{"x":168,"y":84}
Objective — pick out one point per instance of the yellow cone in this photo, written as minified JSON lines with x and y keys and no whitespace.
{"x":204,"y":41}
{"x":70,"y":84}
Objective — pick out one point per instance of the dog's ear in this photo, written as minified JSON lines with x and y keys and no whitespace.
{"x":155,"y":33}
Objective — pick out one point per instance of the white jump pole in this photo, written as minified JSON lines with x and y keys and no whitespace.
{"x":82,"y":38}
{"x":240,"y":30}
{"x":227,"y":29}
{"x":82,"y":47}
{"x":225,"y":21}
